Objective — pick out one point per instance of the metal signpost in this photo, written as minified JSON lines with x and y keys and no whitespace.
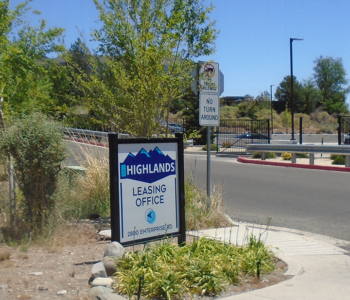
{"x":209,"y":88}
{"x":147,"y":189}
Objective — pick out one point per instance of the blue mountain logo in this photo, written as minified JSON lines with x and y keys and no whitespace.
{"x":147,"y":166}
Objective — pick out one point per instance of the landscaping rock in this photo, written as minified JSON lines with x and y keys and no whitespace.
{"x":98,"y":270}
{"x":111,"y":297}
{"x":98,"y":291}
{"x":42,"y":287}
{"x":63,"y":292}
{"x":105,"y":234}
{"x":110,"y":265}
{"x":107,"y":282}
{"x":114,"y":249}
{"x":36,"y":273}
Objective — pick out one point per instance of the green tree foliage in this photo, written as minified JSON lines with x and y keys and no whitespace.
{"x":248,"y":109}
{"x":148,"y":47}
{"x":190,"y":111}
{"x":330,"y":78}
{"x":310,"y":97}
{"x":24,"y":83}
{"x":284,"y":96}
{"x":37,"y":147}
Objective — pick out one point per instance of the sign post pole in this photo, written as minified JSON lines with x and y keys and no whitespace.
{"x":209,"y":107}
{"x":208,"y":165}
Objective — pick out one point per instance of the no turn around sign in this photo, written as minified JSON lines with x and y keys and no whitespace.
{"x":208,"y":110}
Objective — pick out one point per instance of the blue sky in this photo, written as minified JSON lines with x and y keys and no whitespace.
{"x":253,"y":45}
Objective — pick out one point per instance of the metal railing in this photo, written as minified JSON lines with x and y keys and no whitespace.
{"x":309,"y":149}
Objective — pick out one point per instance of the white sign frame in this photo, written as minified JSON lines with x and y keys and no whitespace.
{"x":147,"y":189}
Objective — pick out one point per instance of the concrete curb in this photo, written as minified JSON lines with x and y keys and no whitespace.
{"x":290,"y":165}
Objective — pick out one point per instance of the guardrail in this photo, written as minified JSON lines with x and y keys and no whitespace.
{"x":99,"y":136}
{"x":295,"y":148}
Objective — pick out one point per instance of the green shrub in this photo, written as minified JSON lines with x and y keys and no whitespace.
{"x":257,"y":154}
{"x":339,"y":160}
{"x":203,"y":267}
{"x":286,"y":156}
{"x":302,"y":155}
{"x":213,"y":147}
{"x":226,"y":144}
{"x":37,"y":147}
{"x":268,"y":155}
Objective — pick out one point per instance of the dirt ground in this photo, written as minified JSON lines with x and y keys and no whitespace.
{"x":41,"y":272}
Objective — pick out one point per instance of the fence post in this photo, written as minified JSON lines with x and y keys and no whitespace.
{"x":268,"y":130}
{"x":339,"y":130}
{"x":301,"y":131}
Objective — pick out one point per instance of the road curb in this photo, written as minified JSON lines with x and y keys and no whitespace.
{"x":290,"y":165}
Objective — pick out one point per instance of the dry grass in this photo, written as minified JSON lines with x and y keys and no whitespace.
{"x":4,"y":255}
{"x":202,"y":213}
{"x":24,"y":297}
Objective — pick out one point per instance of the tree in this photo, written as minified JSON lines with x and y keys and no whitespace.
{"x":310,"y":97}
{"x":284,"y":96}
{"x":330,"y":78}
{"x":148,"y":48}
{"x":24,"y":84}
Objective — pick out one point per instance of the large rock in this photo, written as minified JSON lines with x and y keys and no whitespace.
{"x":98,"y":291}
{"x":114,"y":249}
{"x":98,"y":270}
{"x":107,"y":282}
{"x":110,"y":265}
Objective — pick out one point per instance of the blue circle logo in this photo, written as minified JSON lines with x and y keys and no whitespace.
{"x":150,"y":216}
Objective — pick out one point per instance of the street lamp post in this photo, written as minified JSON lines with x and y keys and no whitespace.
{"x":291,"y":87}
{"x":271,"y":108}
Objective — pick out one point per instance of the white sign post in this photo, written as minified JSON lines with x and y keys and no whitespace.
{"x":209,"y":91}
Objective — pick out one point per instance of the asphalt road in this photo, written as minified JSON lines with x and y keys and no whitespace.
{"x":312,"y":200}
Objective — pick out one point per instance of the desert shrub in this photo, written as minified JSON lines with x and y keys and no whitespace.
{"x":286,"y":156}
{"x":302,"y":155}
{"x":213,"y":147}
{"x":199,"y":214}
{"x":257,"y":154}
{"x":36,"y":145}
{"x":226,"y":144}
{"x":333,"y":156}
{"x":267,"y":155}
{"x":339,"y":160}
{"x":271,"y":155}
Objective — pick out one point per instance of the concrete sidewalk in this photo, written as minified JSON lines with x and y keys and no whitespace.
{"x":321,"y":269}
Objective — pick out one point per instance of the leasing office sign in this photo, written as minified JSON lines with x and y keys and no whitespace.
{"x":147,"y":197}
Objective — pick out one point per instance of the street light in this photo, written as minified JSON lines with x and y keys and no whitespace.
{"x":291,"y":75}
{"x":271,"y":108}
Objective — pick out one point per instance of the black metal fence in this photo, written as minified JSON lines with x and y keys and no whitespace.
{"x":343,"y":130}
{"x":233,"y":135}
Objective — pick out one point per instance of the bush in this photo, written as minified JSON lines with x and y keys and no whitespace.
{"x":302,"y":155}
{"x":36,"y":145}
{"x":339,"y":160}
{"x":213,"y":147}
{"x":267,"y":155}
{"x":257,"y":155}
{"x":203,"y":267}
{"x":286,"y":156}
{"x":226,"y":144}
